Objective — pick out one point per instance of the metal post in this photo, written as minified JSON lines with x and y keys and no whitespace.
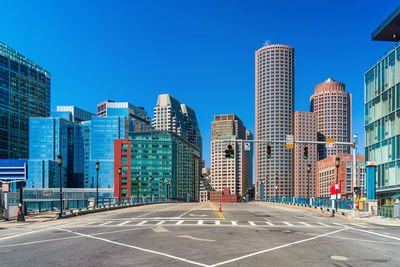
{"x":97,"y":183}
{"x":337,"y":164}
{"x":151,"y":188}
{"x":354,"y":169}
{"x":21,"y":216}
{"x":276,"y":186}
{"x":119,"y":185}
{"x":308,"y":183}
{"x":59,"y":162}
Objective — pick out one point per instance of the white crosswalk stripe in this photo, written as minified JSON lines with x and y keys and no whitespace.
{"x":105,"y":223}
{"x":270,"y":223}
{"x":180,"y":222}
{"x":200,"y":222}
{"x":142,"y":223}
{"x":288,"y":224}
{"x":233,"y":222}
{"x":123,"y":223}
{"x":217,"y":222}
{"x":252,"y":223}
{"x":323,"y":224}
{"x":359,"y":225}
{"x":306,"y":224}
{"x":160,"y":222}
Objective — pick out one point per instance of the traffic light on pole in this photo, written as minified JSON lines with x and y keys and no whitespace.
{"x":229,"y":153}
{"x":268,"y":151}
{"x":305,"y":152}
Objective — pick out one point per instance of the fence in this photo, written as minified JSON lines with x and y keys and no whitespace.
{"x":386,"y":211}
{"x":315,"y":202}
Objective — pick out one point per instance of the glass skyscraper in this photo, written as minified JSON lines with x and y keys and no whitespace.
{"x":24,"y":93}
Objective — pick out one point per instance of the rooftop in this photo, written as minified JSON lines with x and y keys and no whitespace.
{"x":389,"y":30}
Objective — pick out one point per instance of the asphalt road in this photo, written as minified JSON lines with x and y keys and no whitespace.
{"x":196,"y":234}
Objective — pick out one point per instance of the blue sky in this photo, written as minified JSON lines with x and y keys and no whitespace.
{"x":201,"y":52}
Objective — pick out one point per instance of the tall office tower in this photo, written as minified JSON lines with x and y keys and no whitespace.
{"x":77,"y":115}
{"x":228,"y":172}
{"x":249,"y":136}
{"x":332,"y":107}
{"x":304,"y":130}
{"x":274,"y":117}
{"x":382,"y":113}
{"x":24,"y":93}
{"x":170,"y":115}
{"x":194,"y":135}
{"x":137,"y":115}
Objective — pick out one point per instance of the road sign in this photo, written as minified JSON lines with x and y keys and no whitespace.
{"x":13,"y":169}
{"x":289,"y":146}
{"x":330,"y":145}
{"x":247,"y":146}
{"x":289,"y":139}
{"x":330,"y":140}
{"x":5,"y":188}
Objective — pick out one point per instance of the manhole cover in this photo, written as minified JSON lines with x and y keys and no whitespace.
{"x":339,"y":258}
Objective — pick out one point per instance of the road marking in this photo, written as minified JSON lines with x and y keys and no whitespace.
{"x":196,"y":208}
{"x":154,"y":211}
{"x":160,"y":222}
{"x":27,"y":233}
{"x":234,"y":222}
{"x":270,"y":223}
{"x":217,"y":222}
{"x":359,"y":225}
{"x":323,"y":224}
{"x":105,"y":223}
{"x":124,"y":223}
{"x":160,"y":229}
{"x":141,"y":223}
{"x":387,"y":236}
{"x":278,"y":247}
{"x":200,"y":222}
{"x":341,"y":225}
{"x":306,"y":224}
{"x":180,"y":222}
{"x":137,"y":248}
{"x":196,"y":238}
{"x":253,"y":224}
{"x":288,"y":224}
{"x":217,"y":210}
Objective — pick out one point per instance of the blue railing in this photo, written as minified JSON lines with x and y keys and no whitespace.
{"x":314,"y":202}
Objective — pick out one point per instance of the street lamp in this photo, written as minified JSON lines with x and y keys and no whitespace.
{"x":337,"y":164}
{"x":59,"y":162}
{"x":308,"y":182}
{"x":159,"y":188}
{"x":119,"y":185}
{"x":97,"y":183}
{"x":138,"y":186}
{"x":276,"y":186}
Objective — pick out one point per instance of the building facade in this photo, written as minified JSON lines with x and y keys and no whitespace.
{"x":24,"y":93}
{"x":77,"y":115}
{"x":159,"y":164}
{"x":332,"y":107}
{"x":171,"y":115}
{"x":229,"y":173}
{"x":305,"y":130}
{"x":327,"y":173}
{"x":274,"y":99}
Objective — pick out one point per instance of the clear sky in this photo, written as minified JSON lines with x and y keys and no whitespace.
{"x":201,"y":52}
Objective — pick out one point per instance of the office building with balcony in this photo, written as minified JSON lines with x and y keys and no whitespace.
{"x":382,"y":111}
{"x":24,"y":93}
{"x":159,"y":164}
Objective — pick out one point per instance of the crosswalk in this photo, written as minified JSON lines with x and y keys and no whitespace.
{"x":167,"y":222}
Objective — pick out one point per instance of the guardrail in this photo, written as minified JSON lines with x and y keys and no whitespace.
{"x":345,"y":204}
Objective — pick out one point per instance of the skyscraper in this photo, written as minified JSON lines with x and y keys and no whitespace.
{"x":274,"y":116}
{"x":170,"y":115}
{"x":229,"y":173}
{"x":304,"y":130}
{"x":332,"y":107}
{"x":24,"y":93}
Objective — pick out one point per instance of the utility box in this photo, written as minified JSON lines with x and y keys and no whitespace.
{"x":396,"y":209}
{"x":91,"y":202}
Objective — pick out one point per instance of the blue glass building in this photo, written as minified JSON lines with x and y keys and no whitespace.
{"x":24,"y":93}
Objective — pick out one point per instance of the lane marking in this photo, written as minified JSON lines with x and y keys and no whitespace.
{"x":234,"y":222}
{"x":342,"y":225}
{"x":278,"y":247}
{"x":141,"y":223}
{"x":196,"y":208}
{"x":306,"y":224}
{"x":123,"y":223}
{"x":26,"y":233}
{"x":217,"y":210}
{"x":160,"y":222}
{"x":137,"y":248}
{"x":378,"y":234}
{"x":253,"y":224}
{"x":270,"y":223}
{"x":180,"y":222}
{"x":288,"y":224}
{"x":174,"y":205}
{"x":217,"y":222}
{"x":323,"y":224}
{"x":359,"y":225}
{"x":196,"y":238}
{"x":105,"y":223}
{"x":200,"y":222}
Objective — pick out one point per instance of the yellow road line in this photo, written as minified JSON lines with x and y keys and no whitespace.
{"x":216,"y":209}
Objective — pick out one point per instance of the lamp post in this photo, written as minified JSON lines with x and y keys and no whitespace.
{"x":167,"y":189}
{"x":262,"y":189}
{"x":119,"y":185}
{"x":138,"y":185}
{"x":59,"y":162}
{"x":97,"y":183}
{"x":337,"y":164}
{"x":151,"y":188}
{"x":276,"y":186}
{"x":308,"y":182}
{"x":159,"y":188}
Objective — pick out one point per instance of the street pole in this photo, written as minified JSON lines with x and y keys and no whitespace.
{"x":276,"y":186}
{"x":119,"y":186}
{"x":354,"y":169}
{"x":59,"y":162}
{"x":159,"y":188}
{"x":308,"y":182}
{"x":337,"y":164}
{"x":138,"y":186}
{"x":97,"y":183}
{"x":151,"y":188}
{"x":21,"y":217}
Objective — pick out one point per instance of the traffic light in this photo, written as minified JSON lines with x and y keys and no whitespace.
{"x":305,"y":152}
{"x":229,"y":153}
{"x":353,"y":144}
{"x":268,"y":151}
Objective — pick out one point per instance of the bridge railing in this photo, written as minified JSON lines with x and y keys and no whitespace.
{"x":314,"y":202}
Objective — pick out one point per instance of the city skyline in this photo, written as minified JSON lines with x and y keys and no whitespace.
{"x":240,"y":81}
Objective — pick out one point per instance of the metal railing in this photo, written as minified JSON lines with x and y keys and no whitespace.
{"x":386,"y":211}
{"x":314,"y":202}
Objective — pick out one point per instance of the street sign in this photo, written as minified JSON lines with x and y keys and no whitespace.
{"x":330,"y":140}
{"x":289,"y":146}
{"x":330,"y":145}
{"x":13,"y":169}
{"x":47,"y":193}
{"x":289,"y":139}
{"x":247,"y":146}
{"x":5,"y":188}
